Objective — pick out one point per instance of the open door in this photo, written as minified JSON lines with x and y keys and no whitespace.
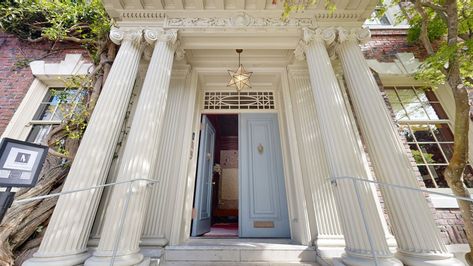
{"x":263,"y":207}
{"x":203,"y":191}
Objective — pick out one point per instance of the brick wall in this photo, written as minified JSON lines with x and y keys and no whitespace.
{"x":15,"y":74}
{"x":383,"y":47}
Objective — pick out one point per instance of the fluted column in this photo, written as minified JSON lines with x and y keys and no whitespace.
{"x":320,"y":200}
{"x":418,"y":238}
{"x":66,"y":236}
{"x":344,"y":158}
{"x":139,"y":159}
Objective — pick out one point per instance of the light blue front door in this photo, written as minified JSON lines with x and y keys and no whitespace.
{"x":203,"y":186}
{"x":263,"y":207}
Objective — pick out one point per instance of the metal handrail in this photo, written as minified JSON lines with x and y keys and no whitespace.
{"x":125,"y":207}
{"x":354,"y":180}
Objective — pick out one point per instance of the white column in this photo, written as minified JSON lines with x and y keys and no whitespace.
{"x":65,"y":240}
{"x":139,"y":159}
{"x":344,"y":158}
{"x":418,"y":238}
{"x":325,"y":225}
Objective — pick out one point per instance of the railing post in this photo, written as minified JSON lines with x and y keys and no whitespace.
{"x":122,"y":221}
{"x":363,"y":215}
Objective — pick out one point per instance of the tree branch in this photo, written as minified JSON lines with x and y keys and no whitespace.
{"x":433,"y":6}
{"x":423,"y":33}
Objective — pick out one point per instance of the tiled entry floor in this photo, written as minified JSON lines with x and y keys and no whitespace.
{"x":223,"y":230}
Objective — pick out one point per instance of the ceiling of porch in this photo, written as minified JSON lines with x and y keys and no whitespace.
{"x":266,"y":65}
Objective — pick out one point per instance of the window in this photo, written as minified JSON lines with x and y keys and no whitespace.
{"x":50,"y":112}
{"x":425,"y":125}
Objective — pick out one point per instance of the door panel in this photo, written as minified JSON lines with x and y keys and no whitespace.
{"x":263,"y":207}
{"x":203,"y":190}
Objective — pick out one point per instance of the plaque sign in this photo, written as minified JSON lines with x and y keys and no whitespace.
{"x":20,"y":162}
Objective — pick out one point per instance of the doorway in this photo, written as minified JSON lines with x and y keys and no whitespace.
{"x":240,"y":190}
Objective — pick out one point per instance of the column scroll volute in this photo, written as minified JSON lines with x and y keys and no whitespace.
{"x":117,"y":36}
{"x":359,"y":35}
{"x":325,"y":35}
{"x":169,"y":36}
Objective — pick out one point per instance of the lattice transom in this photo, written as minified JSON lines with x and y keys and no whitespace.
{"x":248,"y":100}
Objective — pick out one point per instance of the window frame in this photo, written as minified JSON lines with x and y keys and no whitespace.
{"x":47,"y":76}
{"x":445,"y":97}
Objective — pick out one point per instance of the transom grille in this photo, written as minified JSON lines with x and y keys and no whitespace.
{"x":247,"y":100}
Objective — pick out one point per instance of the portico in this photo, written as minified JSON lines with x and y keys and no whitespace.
{"x":170,"y":55}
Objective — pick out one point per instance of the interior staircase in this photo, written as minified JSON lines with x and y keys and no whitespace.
{"x":229,"y":252}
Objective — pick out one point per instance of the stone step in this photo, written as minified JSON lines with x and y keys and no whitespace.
{"x":209,"y":263}
{"x":239,"y":252}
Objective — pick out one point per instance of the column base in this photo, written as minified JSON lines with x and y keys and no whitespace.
{"x":120,"y":260}
{"x":426,"y":259}
{"x":355,"y":260}
{"x":330,"y":246}
{"x":67,"y":260}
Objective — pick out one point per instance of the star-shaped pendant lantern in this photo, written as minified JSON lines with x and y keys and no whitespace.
{"x":240,"y":77}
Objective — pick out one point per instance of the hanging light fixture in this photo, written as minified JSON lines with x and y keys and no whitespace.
{"x":240,"y":78}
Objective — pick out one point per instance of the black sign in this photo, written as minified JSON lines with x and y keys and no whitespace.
{"x":20,"y":162}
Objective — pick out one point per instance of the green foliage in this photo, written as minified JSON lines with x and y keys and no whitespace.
{"x":418,"y":157}
{"x":435,"y":68}
{"x":436,"y":28}
{"x":82,"y":21}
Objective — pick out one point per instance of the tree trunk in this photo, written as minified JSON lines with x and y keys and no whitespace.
{"x":454,"y":171}
{"x":23,"y":219}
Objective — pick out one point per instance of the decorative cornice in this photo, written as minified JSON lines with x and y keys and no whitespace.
{"x":358,"y":35}
{"x":239,"y":20}
{"x":72,"y":65}
{"x":171,"y":19}
{"x":118,"y":35}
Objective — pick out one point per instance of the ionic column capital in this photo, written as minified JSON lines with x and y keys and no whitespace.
{"x":118,"y":35}
{"x":180,"y":53}
{"x":300,"y":50}
{"x":160,"y":35}
{"x":327,"y":35}
{"x":359,"y":35}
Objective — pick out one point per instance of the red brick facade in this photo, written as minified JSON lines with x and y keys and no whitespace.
{"x":16,"y":76}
